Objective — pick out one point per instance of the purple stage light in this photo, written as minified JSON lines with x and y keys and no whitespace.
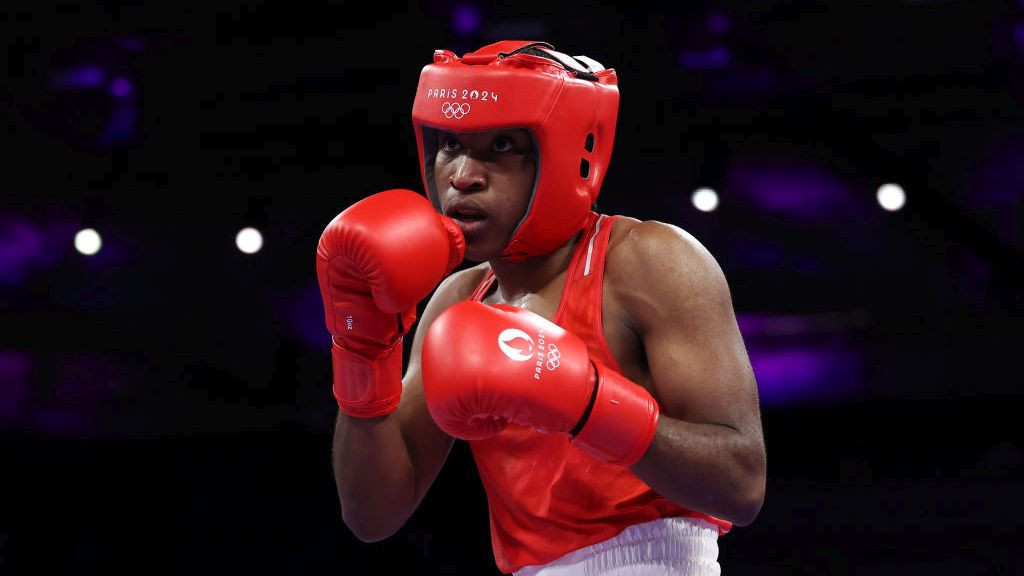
{"x":805,"y":358}
{"x":806,"y":374}
{"x":466,"y":19}
{"x":27,"y":246}
{"x":796,"y":189}
{"x":121,"y":87}
{"x":709,"y":59}
{"x":88,"y":76}
{"x":131,"y":43}
{"x":21,"y":245}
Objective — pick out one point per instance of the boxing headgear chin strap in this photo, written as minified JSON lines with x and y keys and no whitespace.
{"x":569,"y":105}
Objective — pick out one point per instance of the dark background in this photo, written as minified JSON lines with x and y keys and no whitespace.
{"x":165,"y":404}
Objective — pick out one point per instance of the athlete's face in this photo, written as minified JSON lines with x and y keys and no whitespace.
{"x":484,"y":182}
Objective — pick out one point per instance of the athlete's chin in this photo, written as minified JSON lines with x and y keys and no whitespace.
{"x":480,"y":255}
{"x":482,"y":243}
{"x":482,"y":250}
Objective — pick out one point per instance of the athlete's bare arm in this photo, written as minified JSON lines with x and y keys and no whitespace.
{"x":708,"y":452}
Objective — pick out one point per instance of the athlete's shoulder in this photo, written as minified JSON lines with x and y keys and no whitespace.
{"x":639,"y":248}
{"x":633,"y":238}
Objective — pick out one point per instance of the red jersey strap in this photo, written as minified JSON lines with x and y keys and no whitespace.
{"x":484,"y":286}
{"x":584,"y":286}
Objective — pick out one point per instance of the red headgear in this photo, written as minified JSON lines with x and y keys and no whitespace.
{"x":569,"y":105}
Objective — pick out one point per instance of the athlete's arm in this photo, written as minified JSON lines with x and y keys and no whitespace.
{"x":708,"y":450}
{"x":383,"y":466}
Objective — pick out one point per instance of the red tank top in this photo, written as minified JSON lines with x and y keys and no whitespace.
{"x":546,"y":497}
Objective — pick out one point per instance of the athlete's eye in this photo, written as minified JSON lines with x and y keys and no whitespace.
{"x":504,"y":144}
{"x":449,"y":143}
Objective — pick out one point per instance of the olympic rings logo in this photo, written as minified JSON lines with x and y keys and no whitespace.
{"x":456,"y":110}
{"x":554,"y":357}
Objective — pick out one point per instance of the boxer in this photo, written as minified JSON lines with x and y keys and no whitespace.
{"x":592,"y":362}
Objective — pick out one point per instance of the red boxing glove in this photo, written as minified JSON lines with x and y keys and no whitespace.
{"x":375,"y":261}
{"x":485,"y":366}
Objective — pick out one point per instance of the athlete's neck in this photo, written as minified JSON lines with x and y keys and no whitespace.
{"x":517,"y":280}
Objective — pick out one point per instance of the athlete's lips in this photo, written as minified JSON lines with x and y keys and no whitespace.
{"x":465,"y":210}
{"x":468,"y":215}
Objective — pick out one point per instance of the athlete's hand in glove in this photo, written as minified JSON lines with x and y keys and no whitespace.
{"x":375,"y":262}
{"x":486,"y":366}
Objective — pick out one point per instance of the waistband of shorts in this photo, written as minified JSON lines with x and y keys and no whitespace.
{"x":683,"y":542}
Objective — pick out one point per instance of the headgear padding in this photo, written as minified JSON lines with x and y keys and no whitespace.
{"x":569,"y":105}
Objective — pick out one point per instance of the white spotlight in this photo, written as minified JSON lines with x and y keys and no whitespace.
{"x":704,"y":199}
{"x":891,"y":197}
{"x":88,"y":241}
{"x":249,"y":240}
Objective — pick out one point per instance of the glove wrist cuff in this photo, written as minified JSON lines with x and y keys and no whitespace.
{"x":367,"y":387}
{"x":622,"y":422}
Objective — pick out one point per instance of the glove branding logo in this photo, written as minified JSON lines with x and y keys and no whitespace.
{"x":455,"y":110}
{"x":516,"y":344}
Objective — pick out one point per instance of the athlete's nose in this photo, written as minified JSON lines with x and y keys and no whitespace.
{"x":469,"y":174}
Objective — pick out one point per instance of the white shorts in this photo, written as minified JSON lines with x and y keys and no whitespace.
{"x":667,"y":546}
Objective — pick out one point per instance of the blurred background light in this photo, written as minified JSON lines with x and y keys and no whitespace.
{"x":85,"y":76}
{"x":120,"y":87}
{"x":466,"y":19}
{"x":809,"y":374}
{"x":797,"y":188}
{"x":249,"y":240}
{"x":891,"y":197}
{"x":704,"y":199}
{"x":88,"y":241}
{"x":709,"y":59}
